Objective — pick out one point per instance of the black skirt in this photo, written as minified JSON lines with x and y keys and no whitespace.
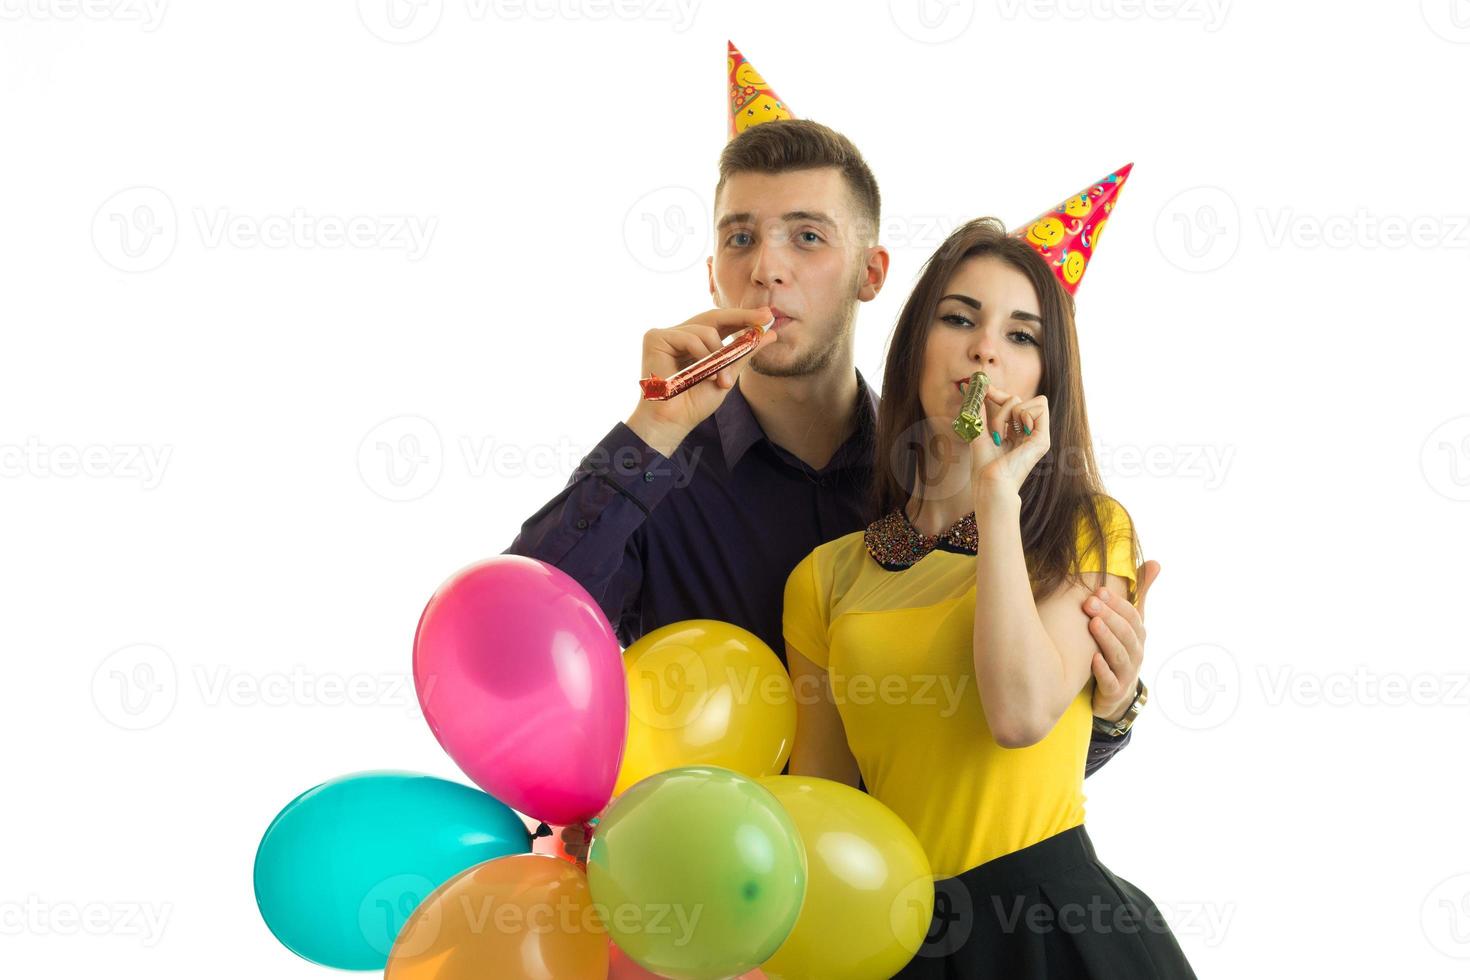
{"x":1046,"y":911}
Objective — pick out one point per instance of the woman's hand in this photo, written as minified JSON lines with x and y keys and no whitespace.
{"x":1025,"y":437}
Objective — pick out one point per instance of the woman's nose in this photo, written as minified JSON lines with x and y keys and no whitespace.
{"x":983,"y":347}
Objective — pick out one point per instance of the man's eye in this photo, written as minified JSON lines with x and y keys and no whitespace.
{"x":810,"y":238}
{"x":739,"y":238}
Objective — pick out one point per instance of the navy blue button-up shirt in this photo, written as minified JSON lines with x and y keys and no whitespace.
{"x":712,"y":533}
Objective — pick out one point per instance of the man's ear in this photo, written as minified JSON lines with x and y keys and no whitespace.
{"x":875,"y":272}
{"x":709,"y":264}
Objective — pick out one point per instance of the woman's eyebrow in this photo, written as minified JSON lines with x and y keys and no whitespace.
{"x":973,"y":304}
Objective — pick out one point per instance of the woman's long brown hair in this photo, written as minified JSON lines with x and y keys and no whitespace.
{"x":1064,"y":486}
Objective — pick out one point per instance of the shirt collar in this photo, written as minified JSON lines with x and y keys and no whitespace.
{"x":895,"y":544}
{"x":739,"y":429}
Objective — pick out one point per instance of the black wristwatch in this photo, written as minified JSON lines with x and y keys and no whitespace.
{"x":1119,"y":728}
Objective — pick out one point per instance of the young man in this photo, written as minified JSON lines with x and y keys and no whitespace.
{"x":700,"y":506}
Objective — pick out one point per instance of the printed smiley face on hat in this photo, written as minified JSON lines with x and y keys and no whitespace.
{"x":1073,"y":265}
{"x":1077,"y":206}
{"x":762,"y":109}
{"x":1045,"y":233}
{"x":747,"y":75}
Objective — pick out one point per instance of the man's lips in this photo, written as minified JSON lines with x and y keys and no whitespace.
{"x":782,"y":318}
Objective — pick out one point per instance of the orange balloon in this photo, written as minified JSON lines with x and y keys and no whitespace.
{"x":522,"y":917}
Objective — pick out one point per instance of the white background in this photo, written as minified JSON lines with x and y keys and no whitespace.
{"x":1275,"y":377}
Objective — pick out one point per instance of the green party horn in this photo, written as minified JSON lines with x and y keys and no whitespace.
{"x":971,"y":420}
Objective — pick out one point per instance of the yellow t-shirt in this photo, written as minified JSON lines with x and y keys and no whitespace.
{"x":898,"y":647}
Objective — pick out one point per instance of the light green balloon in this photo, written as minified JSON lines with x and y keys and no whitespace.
{"x":699,"y":873}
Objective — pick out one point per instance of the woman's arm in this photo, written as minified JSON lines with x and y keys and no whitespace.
{"x":1031,"y":659}
{"x":821,"y":741}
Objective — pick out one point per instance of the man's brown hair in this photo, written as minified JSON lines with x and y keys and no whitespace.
{"x":800,"y":144}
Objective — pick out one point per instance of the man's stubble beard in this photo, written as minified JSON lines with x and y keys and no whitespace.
{"x":819,"y":357}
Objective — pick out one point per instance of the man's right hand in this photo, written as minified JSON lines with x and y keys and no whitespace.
{"x":665,"y":424}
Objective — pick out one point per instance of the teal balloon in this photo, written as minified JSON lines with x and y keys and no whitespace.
{"x":343,"y":866}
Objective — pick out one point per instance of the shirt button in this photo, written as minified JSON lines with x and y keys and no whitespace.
{"x":581,"y":524}
{"x":648,"y":477}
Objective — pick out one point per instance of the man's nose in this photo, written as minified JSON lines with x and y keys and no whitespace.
{"x":770,"y":266}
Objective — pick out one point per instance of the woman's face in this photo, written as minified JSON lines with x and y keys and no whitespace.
{"x":988,"y":320}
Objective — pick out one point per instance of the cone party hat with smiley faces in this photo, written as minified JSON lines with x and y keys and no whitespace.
{"x":1067,"y":234}
{"x":752,"y":101}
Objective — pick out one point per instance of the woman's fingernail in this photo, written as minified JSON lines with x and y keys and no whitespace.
{"x":1028,"y":430}
{"x":996,"y":437}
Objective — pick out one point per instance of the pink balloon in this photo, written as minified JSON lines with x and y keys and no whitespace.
{"x":621,"y":966}
{"x":521,"y":680}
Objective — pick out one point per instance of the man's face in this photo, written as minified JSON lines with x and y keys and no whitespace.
{"x":793,"y":242}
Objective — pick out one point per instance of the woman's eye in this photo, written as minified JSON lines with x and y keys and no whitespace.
{"x":1025,"y":338}
{"x":956,"y":320}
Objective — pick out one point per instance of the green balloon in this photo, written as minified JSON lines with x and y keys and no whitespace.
{"x":698,"y":872}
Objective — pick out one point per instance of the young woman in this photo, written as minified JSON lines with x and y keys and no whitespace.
{"x":949,"y":640}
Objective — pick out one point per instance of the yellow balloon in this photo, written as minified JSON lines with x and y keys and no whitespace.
{"x":523,"y":917}
{"x":703,"y":692}
{"x":869,"y":887}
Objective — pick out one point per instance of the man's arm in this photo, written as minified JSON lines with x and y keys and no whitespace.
{"x":589,"y":530}
{"x":1118,"y":628}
